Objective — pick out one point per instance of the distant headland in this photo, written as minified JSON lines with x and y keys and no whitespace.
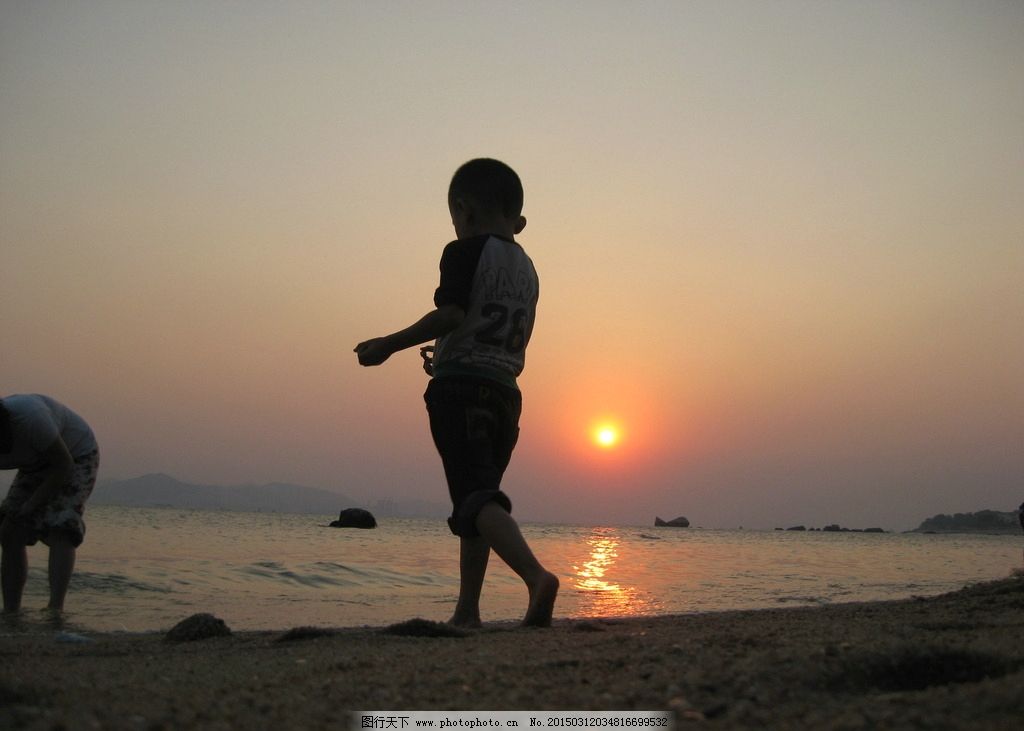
{"x":984,"y":521}
{"x":834,"y":528}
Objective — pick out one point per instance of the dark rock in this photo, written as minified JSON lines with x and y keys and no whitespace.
{"x":797,"y":527}
{"x":354,"y":518}
{"x":873,"y":530}
{"x":197,"y":627}
{"x":305,"y":633}
{"x":679,"y":522}
{"x":419,"y":627}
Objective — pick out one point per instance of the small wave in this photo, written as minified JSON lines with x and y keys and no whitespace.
{"x":329,"y":574}
{"x":113,"y":583}
{"x":273,"y":565}
{"x":276,"y":572}
{"x":802,"y":599}
{"x":331,"y":566}
{"x":378,"y":575}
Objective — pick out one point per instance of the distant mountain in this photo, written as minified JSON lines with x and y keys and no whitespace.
{"x":984,"y":521}
{"x":159,"y":490}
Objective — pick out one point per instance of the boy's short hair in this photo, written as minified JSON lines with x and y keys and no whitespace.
{"x":490,"y":184}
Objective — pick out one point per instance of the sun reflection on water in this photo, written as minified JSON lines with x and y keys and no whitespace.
{"x":598,"y":580}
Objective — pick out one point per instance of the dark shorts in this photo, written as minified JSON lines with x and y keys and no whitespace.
{"x":475,"y":425}
{"x":64,"y":510}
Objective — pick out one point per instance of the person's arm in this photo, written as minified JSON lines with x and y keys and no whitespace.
{"x":59,"y":466}
{"x":431,"y":326}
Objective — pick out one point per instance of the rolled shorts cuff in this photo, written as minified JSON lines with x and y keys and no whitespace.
{"x":463,"y":520}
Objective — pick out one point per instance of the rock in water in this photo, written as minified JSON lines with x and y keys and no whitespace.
{"x":198,"y":627}
{"x":679,"y":522}
{"x":354,"y":518}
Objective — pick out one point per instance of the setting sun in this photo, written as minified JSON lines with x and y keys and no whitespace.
{"x":606,"y":436}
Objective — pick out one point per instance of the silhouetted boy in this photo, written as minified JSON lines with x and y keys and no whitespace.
{"x":485,"y":308}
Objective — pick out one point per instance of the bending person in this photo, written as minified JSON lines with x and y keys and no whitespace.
{"x":57,"y":459}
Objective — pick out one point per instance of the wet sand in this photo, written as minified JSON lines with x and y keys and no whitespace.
{"x":954,"y":661}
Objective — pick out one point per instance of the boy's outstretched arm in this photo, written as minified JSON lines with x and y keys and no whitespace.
{"x":432,"y":325}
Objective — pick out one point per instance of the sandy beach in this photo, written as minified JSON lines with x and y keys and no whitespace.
{"x":953,"y":661}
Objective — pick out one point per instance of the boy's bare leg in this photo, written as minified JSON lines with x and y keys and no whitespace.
{"x":502,"y":533}
{"x":473,"y":556}
{"x":13,"y":564}
{"x":62,"y":564}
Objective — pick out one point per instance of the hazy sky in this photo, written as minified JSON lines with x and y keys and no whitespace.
{"x":781,"y":244}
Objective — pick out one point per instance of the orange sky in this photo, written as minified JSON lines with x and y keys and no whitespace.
{"x":781,"y":244}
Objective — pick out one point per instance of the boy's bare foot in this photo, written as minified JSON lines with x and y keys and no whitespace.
{"x":542,"y":601}
{"x":465,"y":622}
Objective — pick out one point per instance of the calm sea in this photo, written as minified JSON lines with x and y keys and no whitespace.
{"x":147,"y":569}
